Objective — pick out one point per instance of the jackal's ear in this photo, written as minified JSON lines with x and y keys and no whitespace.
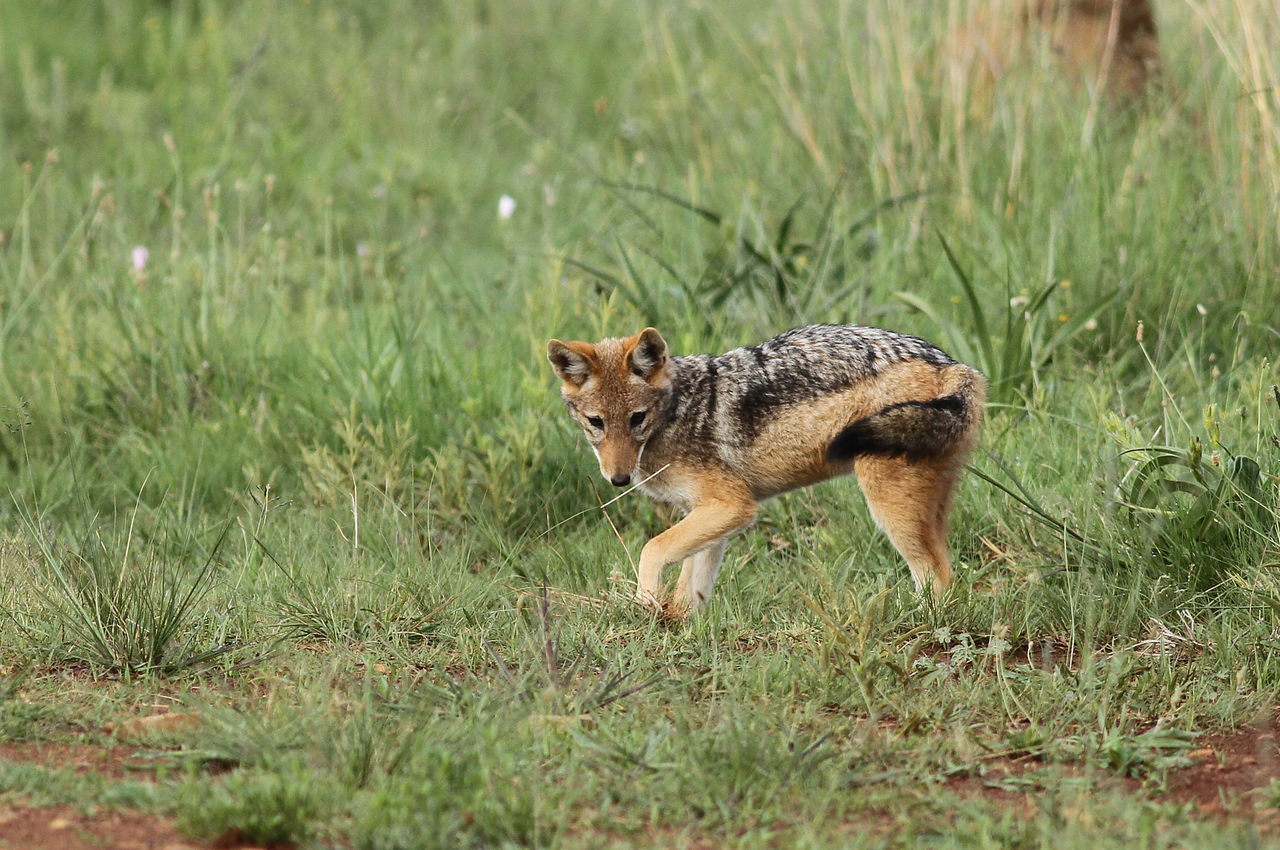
{"x":648,"y":355}
{"x":571,"y":360}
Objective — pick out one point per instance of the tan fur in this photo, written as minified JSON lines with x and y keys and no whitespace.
{"x":1108,"y":44}
{"x":911,"y":502}
{"x":720,"y":484}
{"x":798,"y":438}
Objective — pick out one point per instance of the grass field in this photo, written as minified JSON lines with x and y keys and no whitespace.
{"x":284,"y":461}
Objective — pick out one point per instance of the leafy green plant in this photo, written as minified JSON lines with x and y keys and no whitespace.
{"x":267,"y":809}
{"x":746,"y":262}
{"x":19,"y":718}
{"x":1192,"y":494}
{"x":1269,"y":794}
{"x":1012,"y":340}
{"x":1138,"y":754}
{"x":1194,"y":507}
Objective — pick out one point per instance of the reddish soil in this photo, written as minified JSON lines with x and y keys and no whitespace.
{"x":64,"y":828}
{"x":1227,"y":768}
{"x":27,"y":828}
{"x":115,"y":762}
{"x":67,"y":829}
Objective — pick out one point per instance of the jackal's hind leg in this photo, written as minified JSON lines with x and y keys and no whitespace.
{"x":911,"y":502}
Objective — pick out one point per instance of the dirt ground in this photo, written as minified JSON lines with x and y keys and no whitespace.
{"x":64,"y":828}
{"x":1227,"y":768}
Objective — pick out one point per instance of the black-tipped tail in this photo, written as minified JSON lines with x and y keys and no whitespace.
{"x":914,"y":429}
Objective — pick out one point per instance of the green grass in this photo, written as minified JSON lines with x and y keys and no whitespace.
{"x":305,"y":471}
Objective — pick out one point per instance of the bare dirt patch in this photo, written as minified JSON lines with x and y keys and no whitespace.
{"x":1229,"y":767}
{"x":114,"y":762}
{"x":997,"y":785}
{"x":68,"y":829}
{"x":1228,"y":771}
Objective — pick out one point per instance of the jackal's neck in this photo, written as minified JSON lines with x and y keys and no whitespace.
{"x":693,"y":389}
{"x":678,"y":394}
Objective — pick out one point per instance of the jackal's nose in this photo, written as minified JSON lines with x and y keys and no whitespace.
{"x":620,"y":480}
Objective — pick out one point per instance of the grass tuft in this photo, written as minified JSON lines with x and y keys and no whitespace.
{"x":122,"y":606}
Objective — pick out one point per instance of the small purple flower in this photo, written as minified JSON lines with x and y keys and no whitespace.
{"x":139,"y":256}
{"x":362,"y":249}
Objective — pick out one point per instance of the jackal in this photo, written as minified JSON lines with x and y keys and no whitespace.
{"x":714,"y":435}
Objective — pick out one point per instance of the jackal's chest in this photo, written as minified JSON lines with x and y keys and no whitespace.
{"x":667,"y":486}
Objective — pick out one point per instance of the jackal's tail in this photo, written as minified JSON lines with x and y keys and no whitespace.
{"x":918,"y":429}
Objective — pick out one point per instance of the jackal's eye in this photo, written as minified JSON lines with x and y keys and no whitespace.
{"x":637,"y":419}
{"x":595,"y":422}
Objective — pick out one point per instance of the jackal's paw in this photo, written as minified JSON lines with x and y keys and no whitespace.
{"x":676,"y":610}
{"x":648,"y":600}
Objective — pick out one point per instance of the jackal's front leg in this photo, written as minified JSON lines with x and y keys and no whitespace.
{"x":697,"y":577}
{"x":709,"y":522}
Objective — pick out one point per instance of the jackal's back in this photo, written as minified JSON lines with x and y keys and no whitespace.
{"x":734,"y":395}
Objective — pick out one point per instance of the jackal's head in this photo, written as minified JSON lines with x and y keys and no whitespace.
{"x":618,"y":390}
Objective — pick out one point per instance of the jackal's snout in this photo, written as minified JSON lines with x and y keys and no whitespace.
{"x":619,"y":455}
